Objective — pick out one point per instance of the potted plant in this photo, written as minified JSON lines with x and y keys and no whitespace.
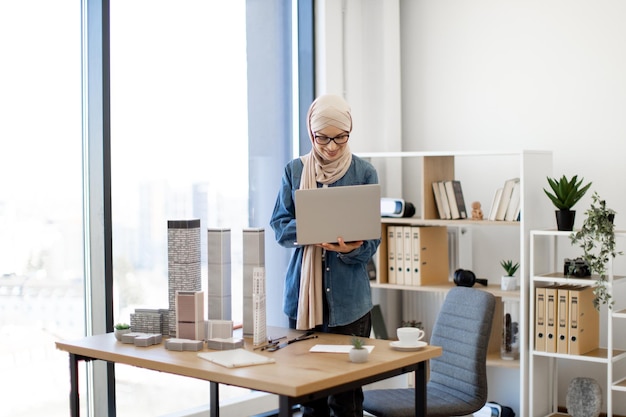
{"x":358,"y":353}
{"x":509,"y":281}
{"x":120,"y":329}
{"x":596,"y":238}
{"x":565,"y":193}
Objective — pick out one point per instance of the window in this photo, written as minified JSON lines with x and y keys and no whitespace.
{"x":41,"y":262}
{"x":179,"y":151}
{"x":180,"y":139}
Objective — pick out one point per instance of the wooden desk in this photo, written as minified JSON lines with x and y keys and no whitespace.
{"x":297,"y":376}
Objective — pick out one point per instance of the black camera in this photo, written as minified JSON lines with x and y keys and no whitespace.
{"x":576,"y":267}
{"x":466,"y":278}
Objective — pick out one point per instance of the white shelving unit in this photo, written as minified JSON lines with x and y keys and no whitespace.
{"x":547,"y":252}
{"x":480,"y":173}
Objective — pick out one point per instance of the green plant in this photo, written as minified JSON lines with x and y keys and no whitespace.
{"x":358,"y":343}
{"x":566,"y":193}
{"x":509,"y":268}
{"x":596,"y":237}
{"x":412,"y":323}
{"x":121,"y":326}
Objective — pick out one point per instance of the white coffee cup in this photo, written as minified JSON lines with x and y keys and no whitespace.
{"x":409,"y":336}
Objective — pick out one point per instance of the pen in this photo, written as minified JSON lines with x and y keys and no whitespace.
{"x":287,"y":343}
{"x":270,"y":342}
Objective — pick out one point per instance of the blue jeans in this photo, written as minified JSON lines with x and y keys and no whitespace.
{"x":344,"y":404}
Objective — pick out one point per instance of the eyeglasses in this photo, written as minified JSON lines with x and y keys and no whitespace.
{"x":325,"y":140}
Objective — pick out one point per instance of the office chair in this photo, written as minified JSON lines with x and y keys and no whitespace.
{"x":458,"y":378}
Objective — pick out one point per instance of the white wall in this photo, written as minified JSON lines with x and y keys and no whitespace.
{"x":486,"y":75}
{"x":520,"y":75}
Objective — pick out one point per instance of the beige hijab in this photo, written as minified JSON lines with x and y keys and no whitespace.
{"x":326,"y":110}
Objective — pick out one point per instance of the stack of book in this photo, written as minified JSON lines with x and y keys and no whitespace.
{"x":417,"y":255}
{"x":449,"y":199}
{"x":506,"y":202}
{"x":566,"y":320}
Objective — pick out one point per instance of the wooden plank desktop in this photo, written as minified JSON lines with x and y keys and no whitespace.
{"x":296,"y":375}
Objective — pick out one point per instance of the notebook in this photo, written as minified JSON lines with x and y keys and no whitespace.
{"x":324,"y":214}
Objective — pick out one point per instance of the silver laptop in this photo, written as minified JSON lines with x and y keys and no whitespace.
{"x":351,"y":212}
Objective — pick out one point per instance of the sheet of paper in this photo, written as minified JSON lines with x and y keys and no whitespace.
{"x":235,"y":358}
{"x":336,"y":348}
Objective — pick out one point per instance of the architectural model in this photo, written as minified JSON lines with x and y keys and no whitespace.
{"x":183,"y":262}
{"x":219,"y":270}
{"x":184,"y":345}
{"x":253,"y":257}
{"x":145,"y":320}
{"x":258,"y":305}
{"x":222,"y":329}
{"x":141,"y":339}
{"x":224,"y":344}
{"x":190,"y":315}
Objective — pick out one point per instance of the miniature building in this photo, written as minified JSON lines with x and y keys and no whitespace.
{"x":219,"y":297}
{"x":183,"y":263}
{"x":190,"y":315}
{"x":145,"y":320}
{"x":221,"y":329}
{"x":258,"y":304}
{"x":253,"y":257}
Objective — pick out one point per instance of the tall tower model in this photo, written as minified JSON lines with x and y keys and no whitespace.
{"x":183,"y":262}
{"x":253,"y":257}
{"x":259,"y":306}
{"x":219,"y":296}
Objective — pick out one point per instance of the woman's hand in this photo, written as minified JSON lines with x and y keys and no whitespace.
{"x":341,"y":246}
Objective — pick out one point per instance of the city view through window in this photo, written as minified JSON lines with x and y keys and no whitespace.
{"x":179,"y":151}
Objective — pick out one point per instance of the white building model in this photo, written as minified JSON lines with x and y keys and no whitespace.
{"x":219,"y":296}
{"x":253,"y":257}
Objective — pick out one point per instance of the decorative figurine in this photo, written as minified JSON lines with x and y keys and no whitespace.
{"x":477,"y":212}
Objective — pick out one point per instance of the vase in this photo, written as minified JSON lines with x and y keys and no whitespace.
{"x":119,"y":333}
{"x":565,"y":220}
{"x":508,"y":283}
{"x":358,"y":355}
{"x":509,"y":348}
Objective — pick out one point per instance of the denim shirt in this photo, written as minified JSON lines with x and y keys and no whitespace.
{"x":346,"y":283}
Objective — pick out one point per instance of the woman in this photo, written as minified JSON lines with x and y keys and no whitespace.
{"x":327,"y":286}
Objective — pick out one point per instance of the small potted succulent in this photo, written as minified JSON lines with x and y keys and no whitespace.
{"x":358,"y":353}
{"x":509,"y":281}
{"x":565,"y":193}
{"x":120,"y":329}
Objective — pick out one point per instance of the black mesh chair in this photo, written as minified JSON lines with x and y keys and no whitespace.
{"x":458,"y":378}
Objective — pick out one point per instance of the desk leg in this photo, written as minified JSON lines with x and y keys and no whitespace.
{"x":285,"y":406}
{"x":420,"y":390}
{"x":74,"y":398}
{"x":214,"y":401}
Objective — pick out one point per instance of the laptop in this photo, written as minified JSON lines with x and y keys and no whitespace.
{"x":324,"y":214}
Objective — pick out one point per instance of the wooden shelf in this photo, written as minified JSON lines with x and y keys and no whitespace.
{"x":494,"y":359}
{"x":492,"y":288}
{"x":416,"y":221}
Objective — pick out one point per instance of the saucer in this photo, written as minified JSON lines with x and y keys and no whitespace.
{"x":397,"y":346}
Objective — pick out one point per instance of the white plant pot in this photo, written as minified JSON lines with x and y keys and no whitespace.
{"x":119,"y":333}
{"x":358,"y":355}
{"x":508,"y":283}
